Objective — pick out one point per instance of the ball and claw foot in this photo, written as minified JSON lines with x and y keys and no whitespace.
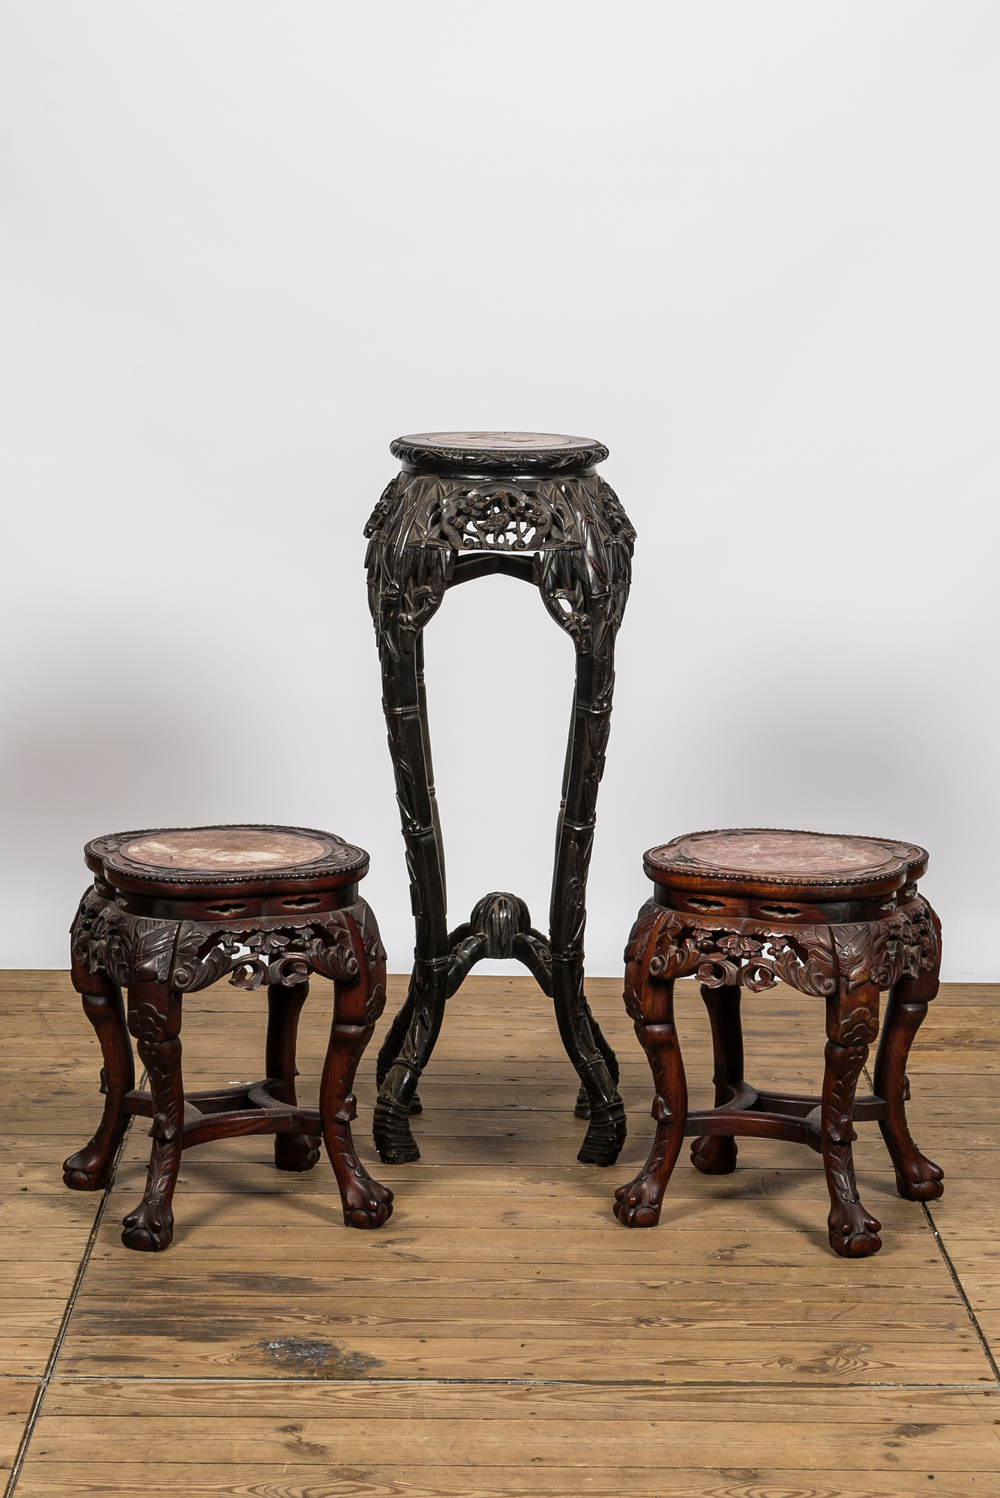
{"x":923,"y":1182}
{"x":391,"y":1131}
{"x":296,"y":1151}
{"x":854,"y":1233}
{"x":367,"y":1204}
{"x":714,"y":1154}
{"x":86,"y":1171}
{"x":637,"y":1205}
{"x":149,"y":1228}
{"x":604,"y":1139}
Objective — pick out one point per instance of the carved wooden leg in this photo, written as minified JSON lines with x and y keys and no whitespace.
{"x":715,"y":1155}
{"x":851,"y":1026}
{"x":651,"y":1005}
{"x":582,"y":1108}
{"x":606,"y":1133}
{"x":358,"y":1002}
{"x":393,"y":1044}
{"x":917,"y":1178}
{"x":390,"y":1125}
{"x":588,"y":737}
{"x":405,"y":706}
{"x":89,"y":1168}
{"x":284,"y":1005}
{"x":154,"y":1018}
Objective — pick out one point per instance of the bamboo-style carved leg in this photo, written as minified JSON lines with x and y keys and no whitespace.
{"x":917,"y":1178}
{"x":284,"y":1005}
{"x":393,"y":1044}
{"x":358,"y":1002}
{"x":90,"y":1167}
{"x":154,"y":1018}
{"x":715,"y":1155}
{"x":409,"y":743}
{"x":851,"y":1026}
{"x":582,"y":1109}
{"x":584,"y":766}
{"x":650,"y":1002}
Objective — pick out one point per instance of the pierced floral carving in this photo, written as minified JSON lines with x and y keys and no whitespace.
{"x":756,"y":955}
{"x":499,"y":517}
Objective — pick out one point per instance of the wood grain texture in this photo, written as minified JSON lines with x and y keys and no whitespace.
{"x":727,"y":1355}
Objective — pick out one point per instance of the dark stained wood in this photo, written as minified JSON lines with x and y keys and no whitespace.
{"x":179,"y":946}
{"x":876,"y":932}
{"x":531,"y":505}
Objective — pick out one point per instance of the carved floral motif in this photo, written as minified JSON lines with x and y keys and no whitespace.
{"x":756,"y":955}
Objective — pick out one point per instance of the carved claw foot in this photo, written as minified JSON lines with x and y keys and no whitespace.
{"x":714,"y":1154}
{"x":923,"y":1181}
{"x":604,"y":1139}
{"x":296,"y":1151}
{"x":149,"y":1228}
{"x":391,"y":1131}
{"x":637,"y":1205}
{"x":854,"y":1233}
{"x":367,"y":1204}
{"x":87,"y":1170}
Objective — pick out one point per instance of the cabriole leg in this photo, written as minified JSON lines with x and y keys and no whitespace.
{"x":284,"y":1005}
{"x":90,"y":1168}
{"x":358,"y":1002}
{"x":651,"y":1005}
{"x":851,"y":1026}
{"x":154,"y":1018}
{"x":715,"y":1155}
{"x":917,"y":1178}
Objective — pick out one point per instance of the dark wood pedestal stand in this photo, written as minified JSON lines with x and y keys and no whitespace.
{"x":530,"y":505}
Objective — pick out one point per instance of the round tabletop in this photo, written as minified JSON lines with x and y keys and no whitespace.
{"x":762,"y":860}
{"x":172,"y":859}
{"x":498,"y":452}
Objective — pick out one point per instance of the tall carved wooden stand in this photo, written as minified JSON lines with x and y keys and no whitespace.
{"x":173,"y":910}
{"x":532,"y":506}
{"x":837,"y":918}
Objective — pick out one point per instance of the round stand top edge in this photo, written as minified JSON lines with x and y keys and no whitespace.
{"x":497,"y":452}
{"x":251,"y":857}
{"x":772,"y":861}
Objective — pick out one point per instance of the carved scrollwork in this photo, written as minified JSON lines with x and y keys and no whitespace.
{"x":257,"y":953}
{"x":756,"y":955}
{"x":741,"y":953}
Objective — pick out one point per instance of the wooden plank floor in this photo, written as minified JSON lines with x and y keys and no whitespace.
{"x":502,"y":1334}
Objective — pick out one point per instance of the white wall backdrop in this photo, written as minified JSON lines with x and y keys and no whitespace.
{"x":754,"y":248}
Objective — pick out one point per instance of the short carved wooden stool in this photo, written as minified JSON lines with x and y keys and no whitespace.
{"x":173,"y":910}
{"x":838,"y":918}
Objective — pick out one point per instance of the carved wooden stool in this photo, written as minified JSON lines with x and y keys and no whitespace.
{"x":838,"y":918}
{"x":530,"y":505}
{"x":173,"y":910}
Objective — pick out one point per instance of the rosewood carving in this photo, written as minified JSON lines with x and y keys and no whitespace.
{"x":265,"y":907}
{"x":533,"y":507}
{"x":839,"y":919}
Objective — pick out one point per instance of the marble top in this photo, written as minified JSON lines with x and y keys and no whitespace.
{"x":770,"y":855}
{"x":168,"y":859}
{"x":233,"y":850}
{"x":504,"y":452}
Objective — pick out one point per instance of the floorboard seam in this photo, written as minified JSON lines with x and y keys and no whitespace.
{"x":984,"y":1344}
{"x":532,"y":1383}
{"x":60,"y":1337}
